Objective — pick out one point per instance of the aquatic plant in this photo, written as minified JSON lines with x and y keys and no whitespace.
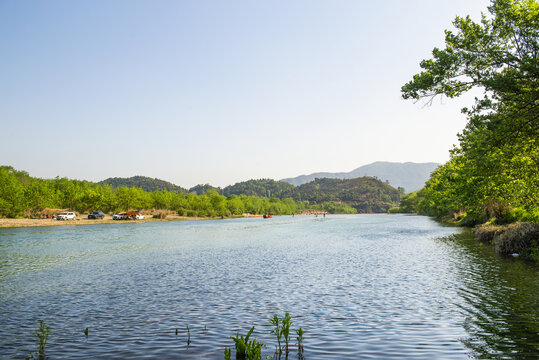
{"x":86,"y":332}
{"x":285,"y":329}
{"x":188,"y":335}
{"x":277,"y":332}
{"x":299,"y":338}
{"x":245,"y":349}
{"x":281,"y":329}
{"x":42,"y":334}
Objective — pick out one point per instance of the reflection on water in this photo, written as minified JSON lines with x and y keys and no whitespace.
{"x":364,"y":286}
{"x":498,"y":301}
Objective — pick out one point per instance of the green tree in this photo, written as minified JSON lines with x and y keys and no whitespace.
{"x":11,"y":193}
{"x":496,"y":164}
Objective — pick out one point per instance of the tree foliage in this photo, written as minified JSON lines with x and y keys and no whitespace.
{"x":365,"y":194}
{"x":143,"y":182}
{"x":23,"y":195}
{"x":261,"y":187}
{"x":495,"y":167}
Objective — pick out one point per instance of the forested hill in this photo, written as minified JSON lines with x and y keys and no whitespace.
{"x":142,"y":182}
{"x":410,"y":176}
{"x":365,"y":194}
{"x":262,"y":187}
{"x":202,"y":189}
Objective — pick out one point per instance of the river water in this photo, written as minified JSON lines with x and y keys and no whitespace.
{"x":361,"y":287}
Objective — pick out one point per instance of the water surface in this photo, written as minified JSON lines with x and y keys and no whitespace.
{"x":361,"y":286}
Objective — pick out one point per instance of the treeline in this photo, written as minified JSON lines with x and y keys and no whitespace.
{"x":365,"y":194}
{"x":143,"y":182}
{"x":493,"y":174}
{"x":23,"y":195}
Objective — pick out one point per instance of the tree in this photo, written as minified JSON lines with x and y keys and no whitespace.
{"x":498,"y":152}
{"x":11,"y":193}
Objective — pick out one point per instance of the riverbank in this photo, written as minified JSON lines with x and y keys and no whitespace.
{"x":517,"y":239}
{"x":83,"y":220}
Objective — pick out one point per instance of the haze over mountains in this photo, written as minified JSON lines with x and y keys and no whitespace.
{"x":410,"y":176}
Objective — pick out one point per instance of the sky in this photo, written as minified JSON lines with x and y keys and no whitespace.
{"x":218,"y":92}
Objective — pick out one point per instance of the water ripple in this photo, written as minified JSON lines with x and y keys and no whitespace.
{"x":362,"y":287}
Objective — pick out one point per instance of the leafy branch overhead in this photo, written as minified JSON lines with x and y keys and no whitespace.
{"x":496,"y":164}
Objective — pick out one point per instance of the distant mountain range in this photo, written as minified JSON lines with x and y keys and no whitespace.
{"x":410,"y":176}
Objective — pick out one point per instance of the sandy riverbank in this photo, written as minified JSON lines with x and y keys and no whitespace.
{"x":82,"y":220}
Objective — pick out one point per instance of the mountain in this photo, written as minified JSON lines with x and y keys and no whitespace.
{"x":365,"y":194}
{"x":261,"y":187}
{"x":410,"y":176}
{"x":202,"y":188}
{"x":143,"y":182}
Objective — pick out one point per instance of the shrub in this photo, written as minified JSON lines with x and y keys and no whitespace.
{"x":486,"y":233}
{"x":521,"y":238}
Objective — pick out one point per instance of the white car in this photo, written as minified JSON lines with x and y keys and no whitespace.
{"x":66,"y":216}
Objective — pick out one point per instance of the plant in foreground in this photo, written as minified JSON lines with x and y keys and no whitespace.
{"x":277,"y":332}
{"x":285,"y":329}
{"x":281,"y":329}
{"x":42,"y":335}
{"x":245,"y":349}
{"x":299,"y":338}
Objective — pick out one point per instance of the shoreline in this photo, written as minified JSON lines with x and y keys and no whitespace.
{"x":6,"y":223}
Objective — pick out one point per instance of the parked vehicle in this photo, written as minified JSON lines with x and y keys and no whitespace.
{"x":118,"y":216}
{"x":96,"y":215}
{"x":66,"y":216}
{"x":129,"y":215}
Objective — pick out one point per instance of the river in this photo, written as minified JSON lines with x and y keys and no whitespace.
{"x":360,"y":286}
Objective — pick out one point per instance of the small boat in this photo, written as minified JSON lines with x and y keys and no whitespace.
{"x":267,"y":216}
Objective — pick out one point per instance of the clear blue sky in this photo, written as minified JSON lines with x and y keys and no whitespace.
{"x":219,"y":91}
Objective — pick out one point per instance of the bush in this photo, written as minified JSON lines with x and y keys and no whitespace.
{"x":486,"y":233}
{"x":161,"y":214}
{"x":517,"y":238}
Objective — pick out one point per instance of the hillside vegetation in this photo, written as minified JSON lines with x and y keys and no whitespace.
{"x":262,"y":187}
{"x":493,"y":173}
{"x":143,"y":182}
{"x":366,"y":194}
{"x":409,"y":176}
{"x":23,"y":195}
